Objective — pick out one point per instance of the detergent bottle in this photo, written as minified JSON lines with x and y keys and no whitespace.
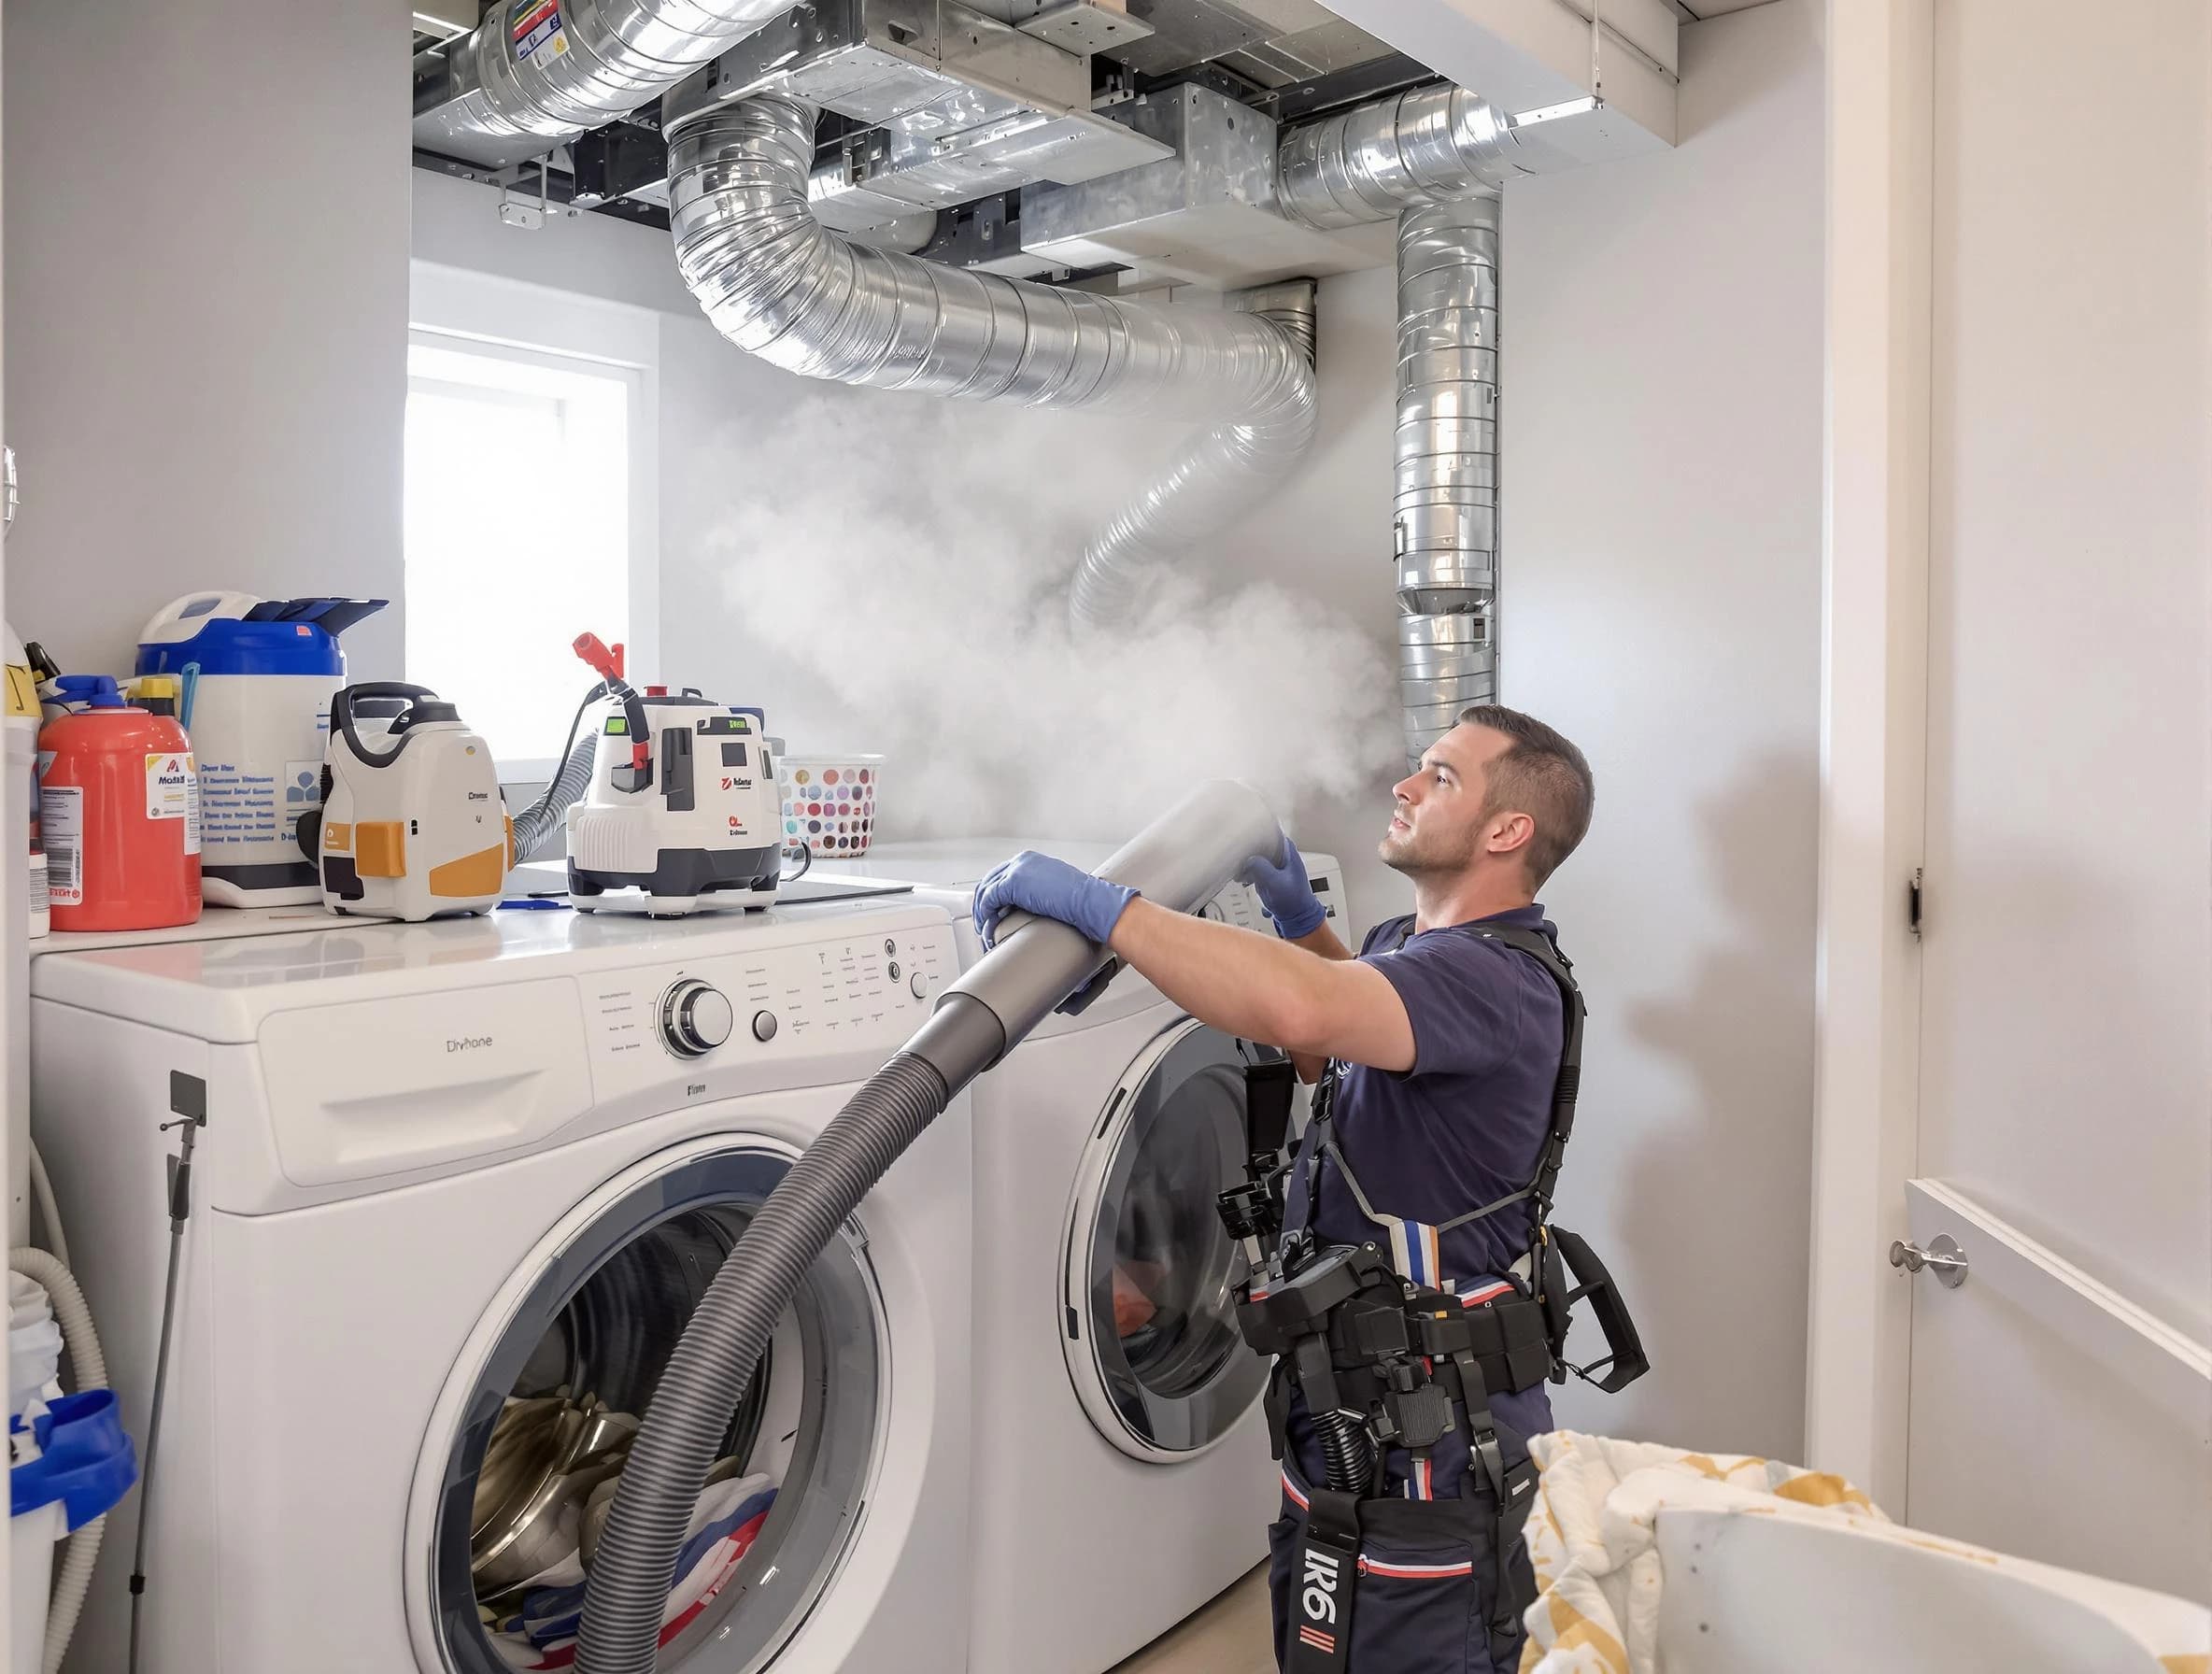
{"x":119,"y":812}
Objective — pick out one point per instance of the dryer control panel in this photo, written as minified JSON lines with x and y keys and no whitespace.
{"x":866,"y":992}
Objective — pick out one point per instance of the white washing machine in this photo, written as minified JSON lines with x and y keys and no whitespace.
{"x":453,"y":1168}
{"x":1122,"y":1476}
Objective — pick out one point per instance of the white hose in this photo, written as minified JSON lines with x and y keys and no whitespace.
{"x":42,"y":1194}
{"x":73,"y":1577}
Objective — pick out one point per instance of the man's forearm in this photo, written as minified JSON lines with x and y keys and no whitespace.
{"x":1245,"y":984}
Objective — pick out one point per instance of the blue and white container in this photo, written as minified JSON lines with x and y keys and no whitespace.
{"x":70,"y":1462}
{"x":258,"y":675}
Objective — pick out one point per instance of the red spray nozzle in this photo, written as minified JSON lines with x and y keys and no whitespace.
{"x":606,"y":663}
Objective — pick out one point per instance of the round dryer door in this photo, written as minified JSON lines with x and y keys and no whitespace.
{"x":529,"y":1444}
{"x":1150,"y":1328}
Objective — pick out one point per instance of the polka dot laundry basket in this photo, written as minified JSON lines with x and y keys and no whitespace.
{"x":829,"y":801}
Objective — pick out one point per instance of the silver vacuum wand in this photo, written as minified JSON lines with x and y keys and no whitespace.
{"x":1181,"y":861}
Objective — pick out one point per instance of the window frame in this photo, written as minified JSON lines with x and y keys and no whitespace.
{"x":500,"y":318}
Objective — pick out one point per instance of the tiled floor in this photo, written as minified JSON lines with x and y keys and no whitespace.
{"x":1230,"y":1635}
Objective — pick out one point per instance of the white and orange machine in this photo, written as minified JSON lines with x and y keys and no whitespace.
{"x":415,"y":830}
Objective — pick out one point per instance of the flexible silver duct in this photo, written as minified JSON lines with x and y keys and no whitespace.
{"x":1426,"y":146}
{"x":1444,"y":518}
{"x":587,"y":63}
{"x":780,"y":286}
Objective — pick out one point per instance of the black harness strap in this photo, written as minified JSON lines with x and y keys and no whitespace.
{"x":1565,"y":1087}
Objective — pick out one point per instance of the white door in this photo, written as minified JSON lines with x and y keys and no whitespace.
{"x":2062,"y":1396}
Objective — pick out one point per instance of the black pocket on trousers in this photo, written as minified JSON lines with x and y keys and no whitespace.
{"x":1418,"y":1610}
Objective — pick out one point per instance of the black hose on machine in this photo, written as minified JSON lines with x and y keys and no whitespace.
{"x":1181,"y":861}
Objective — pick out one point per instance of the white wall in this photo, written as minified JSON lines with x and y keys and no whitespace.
{"x":207,"y":296}
{"x":1661,"y":480}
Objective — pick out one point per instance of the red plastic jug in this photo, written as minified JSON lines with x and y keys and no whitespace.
{"x":120,"y":807}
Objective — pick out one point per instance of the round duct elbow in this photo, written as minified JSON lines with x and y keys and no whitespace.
{"x":1426,"y":146}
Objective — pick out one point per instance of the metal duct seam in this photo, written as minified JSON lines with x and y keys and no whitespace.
{"x":1444,"y":515}
{"x":1426,"y":146}
{"x":779,"y":285}
{"x":541,"y":71}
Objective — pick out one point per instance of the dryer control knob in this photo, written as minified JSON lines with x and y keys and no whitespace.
{"x":763,"y":1026}
{"x":918,"y":985}
{"x":695,"y":1019}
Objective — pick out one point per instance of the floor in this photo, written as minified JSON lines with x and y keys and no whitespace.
{"x":1230,"y":1635}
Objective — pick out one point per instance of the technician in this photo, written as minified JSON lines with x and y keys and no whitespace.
{"x":1442,"y":1047}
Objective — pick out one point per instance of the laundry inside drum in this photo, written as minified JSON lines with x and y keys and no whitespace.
{"x":541,"y":1452}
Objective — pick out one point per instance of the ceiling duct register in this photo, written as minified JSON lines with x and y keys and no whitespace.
{"x":959,"y":104}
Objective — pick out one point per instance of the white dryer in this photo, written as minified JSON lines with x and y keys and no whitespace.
{"x":447,"y":1168}
{"x":1122,"y":1477}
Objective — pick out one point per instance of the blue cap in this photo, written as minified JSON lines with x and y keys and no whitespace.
{"x":281,"y":636}
{"x":94,"y":692}
{"x":86,"y":1460}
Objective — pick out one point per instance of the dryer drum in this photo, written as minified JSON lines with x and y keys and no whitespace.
{"x":530,"y":1472}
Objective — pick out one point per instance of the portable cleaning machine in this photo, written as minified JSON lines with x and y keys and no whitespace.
{"x":413,"y":825}
{"x":682,"y":801}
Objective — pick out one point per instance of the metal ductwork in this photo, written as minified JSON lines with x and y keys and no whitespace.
{"x":1444,"y":515}
{"x":779,"y":285}
{"x":1435,"y":157}
{"x":537,"y":73}
{"x":1431,"y":145}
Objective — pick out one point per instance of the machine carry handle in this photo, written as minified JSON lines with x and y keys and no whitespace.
{"x":342,"y":715}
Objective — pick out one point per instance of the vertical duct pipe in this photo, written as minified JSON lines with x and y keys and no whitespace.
{"x":779,"y":285}
{"x":1444,"y":518}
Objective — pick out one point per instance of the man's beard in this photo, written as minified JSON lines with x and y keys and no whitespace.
{"x":1416,"y":858}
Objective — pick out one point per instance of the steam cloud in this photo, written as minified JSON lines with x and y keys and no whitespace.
{"x":910,"y":597}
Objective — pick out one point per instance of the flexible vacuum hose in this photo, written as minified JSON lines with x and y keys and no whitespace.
{"x":1181,"y":861}
{"x":73,"y":1579}
{"x":542,"y":818}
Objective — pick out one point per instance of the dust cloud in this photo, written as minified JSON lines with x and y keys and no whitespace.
{"x":897,"y":576}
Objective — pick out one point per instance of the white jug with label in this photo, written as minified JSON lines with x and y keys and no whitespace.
{"x":258,"y":675}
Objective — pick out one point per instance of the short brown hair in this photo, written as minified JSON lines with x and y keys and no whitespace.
{"x":1544,"y":777}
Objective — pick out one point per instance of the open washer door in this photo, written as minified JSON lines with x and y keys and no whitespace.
{"x":1150,"y":1330}
{"x":534,"y":1425}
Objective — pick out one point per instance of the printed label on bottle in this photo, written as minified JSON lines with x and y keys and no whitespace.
{"x":60,"y":820}
{"x":173,"y":792}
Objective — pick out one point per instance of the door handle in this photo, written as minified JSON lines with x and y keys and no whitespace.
{"x":1943,"y":1255}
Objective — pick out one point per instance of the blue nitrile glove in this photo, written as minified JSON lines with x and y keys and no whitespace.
{"x":1286,"y":893}
{"x":1035,"y":883}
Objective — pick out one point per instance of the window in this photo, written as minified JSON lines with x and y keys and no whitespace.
{"x":525,"y":466}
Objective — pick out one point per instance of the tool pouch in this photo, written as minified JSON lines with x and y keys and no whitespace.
{"x":1420,"y":1594}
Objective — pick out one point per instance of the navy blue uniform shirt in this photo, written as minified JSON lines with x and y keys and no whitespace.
{"x":1464,"y":1126}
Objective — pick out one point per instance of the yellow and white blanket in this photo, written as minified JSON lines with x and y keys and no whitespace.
{"x":1592,"y":1539}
